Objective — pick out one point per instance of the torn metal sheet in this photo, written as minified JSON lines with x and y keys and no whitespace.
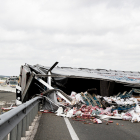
{"x":49,"y":105}
{"x":127,"y":77}
{"x":35,"y":79}
{"x":54,"y":92}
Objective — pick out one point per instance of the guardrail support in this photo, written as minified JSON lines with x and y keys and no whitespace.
{"x":19,"y":129}
{"x":27,"y":122}
{"x":23,"y":127}
{"x":13,"y":134}
{"x":33,"y":113}
{"x":30,"y":118}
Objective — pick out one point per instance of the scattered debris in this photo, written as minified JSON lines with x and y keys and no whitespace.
{"x":107,"y":123}
{"x":85,"y":108}
{"x":110,"y":121}
{"x":8,"y":108}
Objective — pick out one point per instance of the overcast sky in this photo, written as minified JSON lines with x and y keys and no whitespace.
{"x":77,"y":33}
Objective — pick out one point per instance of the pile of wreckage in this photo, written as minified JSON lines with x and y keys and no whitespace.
{"x":48,"y":82}
{"x":89,"y":106}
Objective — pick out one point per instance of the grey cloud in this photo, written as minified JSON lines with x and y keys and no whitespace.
{"x":82,"y":33}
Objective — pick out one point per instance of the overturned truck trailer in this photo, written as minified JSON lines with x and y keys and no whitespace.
{"x":38,"y":79}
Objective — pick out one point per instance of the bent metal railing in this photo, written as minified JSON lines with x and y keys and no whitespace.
{"x":17,"y":121}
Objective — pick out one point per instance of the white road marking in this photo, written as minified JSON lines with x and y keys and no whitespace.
{"x":71,"y":130}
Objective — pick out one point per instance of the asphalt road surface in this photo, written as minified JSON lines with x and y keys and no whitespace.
{"x":52,"y":127}
{"x":7,"y":96}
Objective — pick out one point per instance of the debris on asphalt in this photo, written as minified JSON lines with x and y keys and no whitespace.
{"x":110,"y":121}
{"x":84,"y":106}
{"x":107,"y":123}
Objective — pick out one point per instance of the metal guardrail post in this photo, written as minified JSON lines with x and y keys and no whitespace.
{"x":35,"y":110}
{"x":19,"y":129}
{"x":27,"y":122}
{"x":30,"y":119}
{"x":32,"y":114}
{"x":23,"y":127}
{"x":39,"y":106}
{"x":13,"y":134}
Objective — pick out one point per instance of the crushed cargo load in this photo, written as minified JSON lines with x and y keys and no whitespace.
{"x":88,"y":111}
{"x":80,"y":95}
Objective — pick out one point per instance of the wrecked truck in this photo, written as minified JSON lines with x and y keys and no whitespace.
{"x":59,"y":86}
{"x":35,"y":79}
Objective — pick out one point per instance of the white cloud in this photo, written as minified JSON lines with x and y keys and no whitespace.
{"x":81,"y":33}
